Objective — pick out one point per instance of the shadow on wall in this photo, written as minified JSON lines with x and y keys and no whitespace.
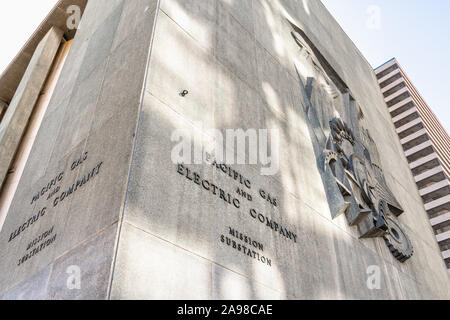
{"x":240,"y":57}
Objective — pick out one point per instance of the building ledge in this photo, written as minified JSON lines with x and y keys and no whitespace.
{"x":446,"y":254}
{"x":443,"y":236}
{"x":422,"y":161}
{"x":392,"y":85}
{"x":413,"y":136}
{"x":385,"y":65}
{"x":440,"y":219}
{"x":434,"y":187}
{"x":409,"y":125}
{"x":397,"y":94}
{"x":404,"y":114}
{"x":418,"y":148}
{"x":429,"y":173}
{"x":11,"y":77}
{"x":400,"y":104}
{"x":437,"y":203}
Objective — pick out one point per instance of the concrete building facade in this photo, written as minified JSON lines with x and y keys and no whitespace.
{"x":426,"y":145}
{"x":101,"y":198}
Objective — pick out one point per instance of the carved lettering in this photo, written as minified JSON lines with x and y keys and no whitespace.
{"x":27,"y":224}
{"x":195,"y":178}
{"x":274,"y":226}
{"x":48,"y":187}
{"x":78,"y":184}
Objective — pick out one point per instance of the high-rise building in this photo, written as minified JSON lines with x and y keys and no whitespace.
{"x":426,"y":144}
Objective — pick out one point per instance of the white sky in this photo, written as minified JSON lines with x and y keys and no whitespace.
{"x":18,"y":20}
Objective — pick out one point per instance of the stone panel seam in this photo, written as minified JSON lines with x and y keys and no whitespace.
{"x":242,"y":26}
{"x":212,"y":54}
{"x":288,"y":191}
{"x":86,"y":241}
{"x":251,"y":86}
{"x":47,"y":285}
{"x":65,"y":95}
{"x":14,"y":286}
{"x":104,"y":66}
{"x":364,"y":245}
{"x":68,"y":252}
{"x":201,"y":257}
{"x":133,"y":152}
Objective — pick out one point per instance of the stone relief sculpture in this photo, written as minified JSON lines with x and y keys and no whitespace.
{"x":347,"y":155}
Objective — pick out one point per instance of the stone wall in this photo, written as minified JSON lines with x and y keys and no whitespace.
{"x":68,"y":204}
{"x":237,"y":61}
{"x":137,"y":225}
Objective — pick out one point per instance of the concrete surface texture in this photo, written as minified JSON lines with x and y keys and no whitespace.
{"x":135,"y":225}
{"x":18,"y":114}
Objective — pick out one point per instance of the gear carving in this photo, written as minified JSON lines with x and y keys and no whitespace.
{"x":396,"y":239}
{"x":350,"y":155}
